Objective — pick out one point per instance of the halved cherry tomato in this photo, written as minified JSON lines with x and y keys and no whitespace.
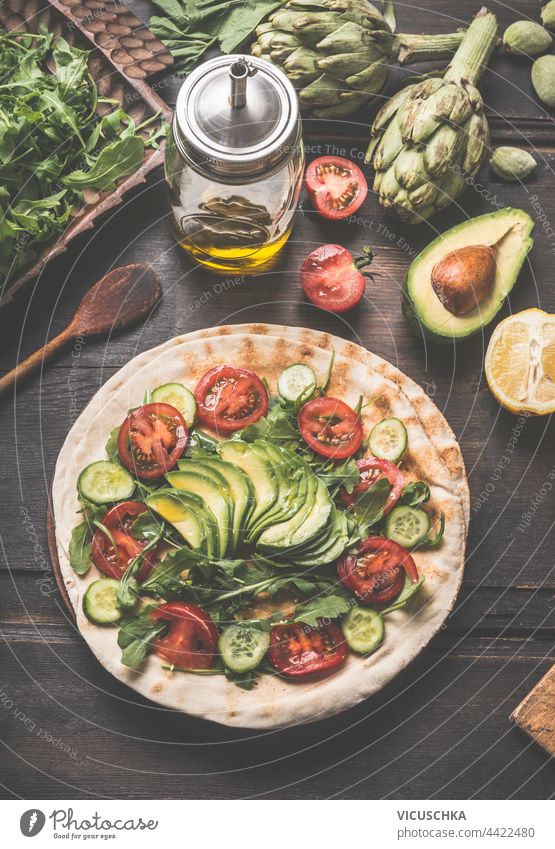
{"x":114,"y":561}
{"x":372,"y":470}
{"x":337,"y":187}
{"x":331,"y":277}
{"x":152,"y":439}
{"x":330,"y":427}
{"x":230,"y":398}
{"x":297,"y":649}
{"x":376,"y":573}
{"x":192,"y":638}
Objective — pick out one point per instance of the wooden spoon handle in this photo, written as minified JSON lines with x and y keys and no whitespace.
{"x":34,"y":362}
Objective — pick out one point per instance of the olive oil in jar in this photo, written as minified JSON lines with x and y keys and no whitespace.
{"x":234,"y":163}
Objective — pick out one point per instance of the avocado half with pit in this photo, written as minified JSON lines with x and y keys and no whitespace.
{"x":508,"y":230}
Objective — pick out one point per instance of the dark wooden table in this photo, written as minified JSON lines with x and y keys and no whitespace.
{"x":442,"y":728}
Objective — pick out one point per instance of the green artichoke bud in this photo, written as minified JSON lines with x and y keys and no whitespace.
{"x":338,"y":53}
{"x":512,"y":163}
{"x":548,"y":15}
{"x":543,"y":79}
{"x":432,"y":137}
{"x":526,"y":38}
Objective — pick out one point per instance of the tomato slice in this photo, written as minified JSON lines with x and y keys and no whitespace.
{"x":331,"y":277}
{"x":376,"y":573}
{"x":372,"y":470}
{"x":114,"y":561}
{"x":337,"y":187}
{"x":230,"y":398}
{"x":330,"y":427}
{"x":192,"y":638}
{"x":152,"y":439}
{"x":297,"y":649}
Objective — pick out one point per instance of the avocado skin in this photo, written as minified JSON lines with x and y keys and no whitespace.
{"x":417,"y":322}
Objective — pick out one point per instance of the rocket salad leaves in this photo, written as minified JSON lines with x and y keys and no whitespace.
{"x":53,"y":145}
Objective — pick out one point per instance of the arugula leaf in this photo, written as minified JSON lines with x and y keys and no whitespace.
{"x":409,"y":589}
{"x":415,"y":493}
{"x":432,"y":541}
{"x":325,"y":607}
{"x":116,"y":160}
{"x":200,"y":444}
{"x":112,"y":446}
{"x":147,"y":526}
{"x":278,"y":426}
{"x":136,"y":635}
{"x":128,"y":589}
{"x":80,"y":547}
{"x":369,"y":507}
{"x":334,"y":474}
{"x":244,"y":680}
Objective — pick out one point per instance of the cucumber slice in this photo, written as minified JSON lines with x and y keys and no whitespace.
{"x":179,"y":397}
{"x":296,"y":381}
{"x":388,"y":440}
{"x":243,"y":647}
{"x":407,"y":525}
{"x":363,"y":629}
{"x":104,"y":482}
{"x":100,"y":602}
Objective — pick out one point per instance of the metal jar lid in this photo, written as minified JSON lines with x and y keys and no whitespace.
{"x":236,"y":115}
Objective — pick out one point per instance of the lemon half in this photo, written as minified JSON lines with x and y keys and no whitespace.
{"x":520,"y":362}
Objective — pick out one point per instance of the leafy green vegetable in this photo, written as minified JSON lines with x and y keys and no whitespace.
{"x":409,"y":589}
{"x":278,"y":426}
{"x":244,"y":680}
{"x":431,"y":541}
{"x":128,"y":590}
{"x":200,"y":444}
{"x":80,"y":547}
{"x":415,"y":493}
{"x":112,"y":445}
{"x":147,"y":526}
{"x":369,"y":506}
{"x":136,"y":635}
{"x":324,"y":607}
{"x":190,"y":27}
{"x":53,"y":145}
{"x":116,"y":160}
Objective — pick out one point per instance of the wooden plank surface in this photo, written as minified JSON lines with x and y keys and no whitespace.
{"x":442,"y":728}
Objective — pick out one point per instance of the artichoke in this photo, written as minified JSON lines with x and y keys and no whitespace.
{"x":432,"y":138}
{"x":338,"y":53}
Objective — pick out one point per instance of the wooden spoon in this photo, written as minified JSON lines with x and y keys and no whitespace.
{"x":119,"y":299}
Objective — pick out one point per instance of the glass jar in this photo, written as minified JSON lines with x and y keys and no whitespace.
{"x":234,"y":163}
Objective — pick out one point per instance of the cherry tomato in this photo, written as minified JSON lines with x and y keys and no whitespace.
{"x":337,"y":187}
{"x":372,"y":470}
{"x":114,"y":561}
{"x":331,"y":278}
{"x":230,"y":398}
{"x":152,"y":439}
{"x":192,"y":639}
{"x":376,"y":573}
{"x":330,"y":427}
{"x":297,"y":649}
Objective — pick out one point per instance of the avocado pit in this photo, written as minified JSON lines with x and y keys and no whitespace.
{"x":464,"y":278}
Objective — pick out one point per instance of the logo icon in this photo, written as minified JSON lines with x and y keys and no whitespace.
{"x":32,"y":822}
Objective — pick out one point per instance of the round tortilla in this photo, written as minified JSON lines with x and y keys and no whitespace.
{"x":433,"y":456}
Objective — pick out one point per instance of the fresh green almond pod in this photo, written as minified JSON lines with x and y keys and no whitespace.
{"x":526,"y":38}
{"x":543,"y":79}
{"x":512,"y":163}
{"x":548,"y":15}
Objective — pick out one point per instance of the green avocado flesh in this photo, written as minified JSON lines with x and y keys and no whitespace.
{"x":510,"y":230}
{"x":257,"y":494}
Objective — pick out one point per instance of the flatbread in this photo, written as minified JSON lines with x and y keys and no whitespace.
{"x":433,"y":456}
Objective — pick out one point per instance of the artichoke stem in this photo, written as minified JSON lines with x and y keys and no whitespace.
{"x":427,"y":48}
{"x":471,"y":59}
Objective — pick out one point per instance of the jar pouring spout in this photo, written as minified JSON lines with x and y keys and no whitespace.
{"x":239,"y":73}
